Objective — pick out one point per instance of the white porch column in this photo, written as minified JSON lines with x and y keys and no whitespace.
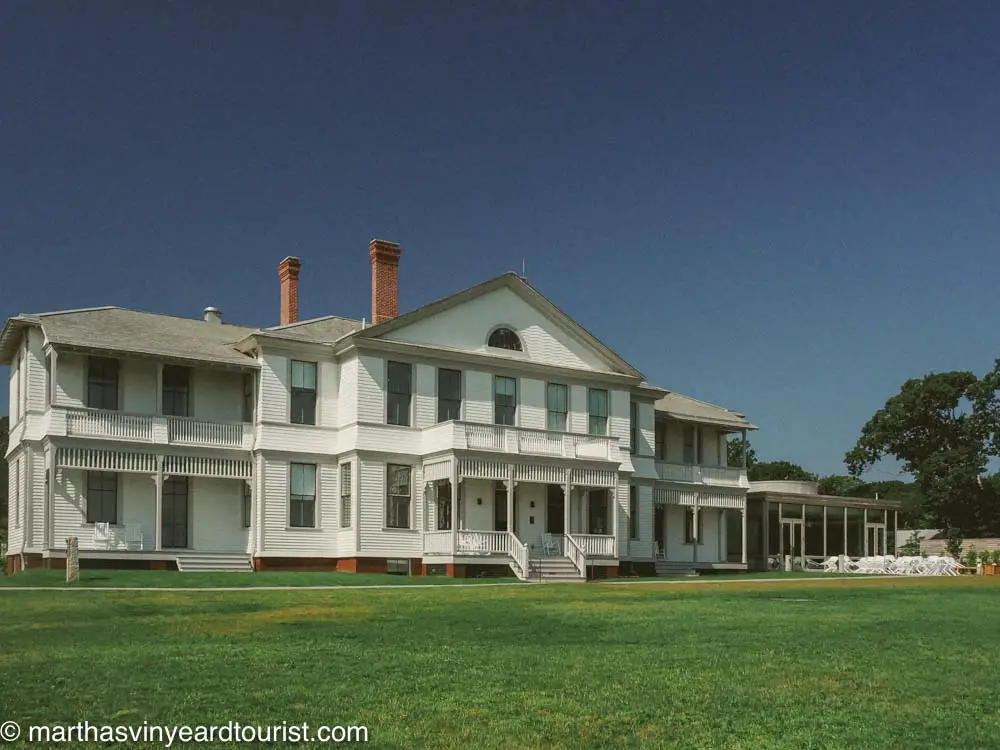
{"x":824,"y":531}
{"x":454,"y":505}
{"x":613,"y":507}
{"x":251,"y":539}
{"x":50,"y":499}
{"x":743,"y":514}
{"x":53,"y":363}
{"x":567,"y":490}
{"x":159,"y":390}
{"x":158,"y":523}
{"x":864,"y":540}
{"x":510,"y":498}
{"x":723,"y":553}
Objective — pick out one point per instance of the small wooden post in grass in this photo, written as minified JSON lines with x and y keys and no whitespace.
{"x":72,"y":559}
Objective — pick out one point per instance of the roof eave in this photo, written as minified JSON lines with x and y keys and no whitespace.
{"x":9,"y":336}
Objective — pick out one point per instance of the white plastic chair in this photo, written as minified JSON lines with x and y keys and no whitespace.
{"x":133,"y":536}
{"x":549,"y":545}
{"x":103,"y":538}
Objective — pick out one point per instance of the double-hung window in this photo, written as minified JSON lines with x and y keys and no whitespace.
{"x":449,"y":395}
{"x":557,"y":406}
{"x":597,"y":400}
{"x":303,"y":392}
{"x":397,"y":500}
{"x":102,"y":497}
{"x":504,"y":400}
{"x":399,"y":393}
{"x":302,"y":496}
{"x":345,"y":495}
{"x":634,"y":427}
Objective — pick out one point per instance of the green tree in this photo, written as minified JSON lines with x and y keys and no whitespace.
{"x":734,"y":449}
{"x":764,"y":471}
{"x":943,"y":428}
{"x":841,"y":486}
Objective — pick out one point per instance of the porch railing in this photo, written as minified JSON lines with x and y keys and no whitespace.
{"x":575,"y":554}
{"x":519,"y":554}
{"x":108,"y":424}
{"x":715,"y":475}
{"x":437,"y":542}
{"x":595,"y":545}
{"x":483,"y":542}
{"x":191,"y":431}
{"x":538,"y":442}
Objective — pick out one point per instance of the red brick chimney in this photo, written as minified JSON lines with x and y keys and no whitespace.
{"x":288,"y":274}
{"x":385,"y":280}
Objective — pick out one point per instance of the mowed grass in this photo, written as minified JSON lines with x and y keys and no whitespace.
{"x":850,"y":663}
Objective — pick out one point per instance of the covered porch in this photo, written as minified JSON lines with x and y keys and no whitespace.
{"x":700,"y":530}
{"x":518,"y":512}
{"x":122,"y":505}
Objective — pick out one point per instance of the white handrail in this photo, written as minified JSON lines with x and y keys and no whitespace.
{"x":601,"y":545}
{"x":575,"y":554}
{"x":519,"y":554}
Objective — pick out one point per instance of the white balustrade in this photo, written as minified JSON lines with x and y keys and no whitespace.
{"x":595,"y":545}
{"x":484,"y":436}
{"x":575,"y":554}
{"x":537,"y":442}
{"x":194,"y":432}
{"x":108,"y":424}
{"x":437,"y":542}
{"x":540,"y":443}
{"x":483,"y":542}
{"x":519,"y":553}
{"x":714,"y":475}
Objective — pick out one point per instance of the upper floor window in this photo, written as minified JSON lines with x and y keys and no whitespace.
{"x":634,"y":427}
{"x":449,"y":395}
{"x":557,"y":406}
{"x":661,"y":441}
{"x":504,"y":400}
{"x":598,"y":402}
{"x":248,"y":397}
{"x":505,"y":338}
{"x":176,"y":391}
{"x":399,"y":393}
{"x":102,"y":383}
{"x":692,"y":444}
{"x":302,"y":496}
{"x":303,"y":392}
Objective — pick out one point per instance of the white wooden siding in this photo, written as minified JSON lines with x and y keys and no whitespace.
{"x":328,"y":386}
{"x":371,"y":389}
{"x":479,"y":397}
{"x":425,"y":395}
{"x":532,"y":403}
{"x":71,"y":378}
{"x":36,"y":488}
{"x":274,"y":388}
{"x":137,"y":386}
{"x":14,"y":391}
{"x":579,"y":411}
{"x":647,"y":435}
{"x":281,"y":540}
{"x":347,"y":398}
{"x":216,"y":507}
{"x":619,"y":416}
{"x":468,"y":326}
{"x":137,"y":498}
{"x":376,"y":541}
{"x":217,"y":395}
{"x":15,"y":530}
{"x":475,"y":515}
{"x":531,"y":532}
{"x":35,"y":374}
{"x":642,"y":547}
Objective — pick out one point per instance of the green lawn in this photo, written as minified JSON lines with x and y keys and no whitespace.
{"x":852,"y":663}
{"x":173,"y":579}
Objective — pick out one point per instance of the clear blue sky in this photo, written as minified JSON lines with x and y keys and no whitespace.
{"x":785,"y":208}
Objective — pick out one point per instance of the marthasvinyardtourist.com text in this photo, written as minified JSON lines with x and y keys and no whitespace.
{"x":169,"y":736}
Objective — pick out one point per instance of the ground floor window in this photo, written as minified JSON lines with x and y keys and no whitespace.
{"x":302,"y":497}
{"x":102,"y":497}
{"x":397,"y":502}
{"x":247,"y":502}
{"x":442,"y":502}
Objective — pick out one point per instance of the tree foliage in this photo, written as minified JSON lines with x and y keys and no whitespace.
{"x":764,"y":471}
{"x":943,"y":428}
{"x":734,"y":449}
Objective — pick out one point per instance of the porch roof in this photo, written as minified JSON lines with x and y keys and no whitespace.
{"x":831,"y":501}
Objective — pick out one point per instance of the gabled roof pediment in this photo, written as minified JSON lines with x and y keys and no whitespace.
{"x":466,"y":319}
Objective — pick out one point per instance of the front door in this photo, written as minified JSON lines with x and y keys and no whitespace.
{"x":659,"y":530}
{"x":500,"y":507}
{"x":791,"y":541}
{"x":876,"y":540}
{"x":554,"y":508}
{"x":174,"y":519}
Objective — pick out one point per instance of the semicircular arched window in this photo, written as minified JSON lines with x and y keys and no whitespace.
{"x":504,"y":338}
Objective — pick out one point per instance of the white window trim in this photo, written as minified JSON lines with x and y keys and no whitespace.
{"x":317,"y":409}
{"x":385,"y":501}
{"x":517,"y":400}
{"x":317,"y":505}
{"x":569,"y":405}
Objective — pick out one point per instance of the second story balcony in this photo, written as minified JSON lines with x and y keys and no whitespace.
{"x":519,"y":440}
{"x":712,"y":475}
{"x":103,"y":424}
